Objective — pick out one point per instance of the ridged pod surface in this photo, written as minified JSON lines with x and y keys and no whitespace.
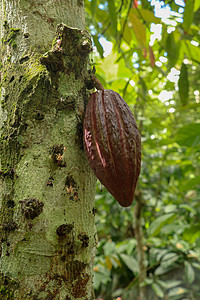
{"x":112,"y":144}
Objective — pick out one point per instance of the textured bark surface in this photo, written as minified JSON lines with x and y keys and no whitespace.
{"x":47,"y":187}
{"x":112,"y":144}
{"x":38,"y":19}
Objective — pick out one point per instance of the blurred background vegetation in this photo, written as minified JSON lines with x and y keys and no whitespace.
{"x":148,"y":52}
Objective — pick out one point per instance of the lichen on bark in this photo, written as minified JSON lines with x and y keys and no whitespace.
{"x":47,"y":188}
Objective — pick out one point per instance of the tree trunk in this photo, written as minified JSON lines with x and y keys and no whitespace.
{"x":47,"y":187}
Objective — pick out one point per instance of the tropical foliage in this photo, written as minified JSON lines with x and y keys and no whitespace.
{"x":154,"y":64}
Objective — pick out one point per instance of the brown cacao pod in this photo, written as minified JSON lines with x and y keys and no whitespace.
{"x":112,"y":144}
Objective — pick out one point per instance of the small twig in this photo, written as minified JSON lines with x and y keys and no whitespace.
{"x":125,"y":88}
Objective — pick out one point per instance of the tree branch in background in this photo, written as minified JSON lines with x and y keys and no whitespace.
{"x":139,"y":238}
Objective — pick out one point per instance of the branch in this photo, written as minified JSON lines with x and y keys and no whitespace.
{"x":139,"y":237}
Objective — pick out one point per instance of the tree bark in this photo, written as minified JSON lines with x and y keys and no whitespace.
{"x":47,"y":188}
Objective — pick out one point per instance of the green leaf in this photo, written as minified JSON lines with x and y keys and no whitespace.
{"x":196,"y":5}
{"x":155,"y":227}
{"x":177,"y":291}
{"x":93,"y":7}
{"x":109,"y":248}
{"x":191,"y":184}
{"x":138,"y":28}
{"x":192,"y":52}
{"x":198,"y":243}
{"x":161,"y":253}
{"x":163,"y":270}
{"x":115,"y":261}
{"x":168,"y":284}
{"x":101,"y":278}
{"x":157,"y":289}
{"x":127,"y":245}
{"x":188,"y":14}
{"x":189,"y":272}
{"x":107,"y":67}
{"x":189,"y":135}
{"x":147,"y":15}
{"x":144,"y":87}
{"x":169,"y":258}
{"x":130,"y":262}
{"x":196,"y":265}
{"x":172,"y":49}
{"x":113,"y":14}
{"x":171,"y":228}
{"x":183,"y":85}
{"x":128,"y":34}
{"x":98,"y":45}
{"x":108,"y":262}
{"x":188,"y":207}
{"x":117,"y":293}
{"x":192,"y":233}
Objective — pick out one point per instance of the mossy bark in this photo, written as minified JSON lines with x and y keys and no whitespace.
{"x":47,"y":188}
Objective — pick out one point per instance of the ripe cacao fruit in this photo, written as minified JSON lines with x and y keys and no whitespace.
{"x":112,"y":144}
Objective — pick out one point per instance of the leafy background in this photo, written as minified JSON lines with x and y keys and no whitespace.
{"x":154,"y":64}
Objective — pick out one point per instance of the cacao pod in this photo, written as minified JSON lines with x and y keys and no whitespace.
{"x":112,"y":144}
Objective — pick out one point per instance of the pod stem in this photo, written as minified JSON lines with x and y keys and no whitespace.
{"x":98,"y":85}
